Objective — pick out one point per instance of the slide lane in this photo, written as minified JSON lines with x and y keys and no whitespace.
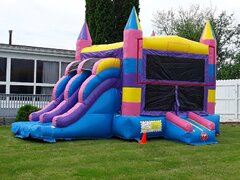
{"x":197,"y":127}
{"x":58,"y":91}
{"x":91,"y":89}
{"x":70,"y":97}
{"x":189,"y":131}
{"x":61,"y":108}
{"x":57,"y":97}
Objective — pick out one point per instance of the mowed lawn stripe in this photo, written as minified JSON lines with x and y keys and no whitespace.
{"x":118,"y":159}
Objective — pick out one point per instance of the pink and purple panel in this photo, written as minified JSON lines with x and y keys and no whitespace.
{"x":131,"y":109}
{"x":130,"y":80}
{"x":131,"y":42}
{"x":211,"y":56}
{"x":211,"y":108}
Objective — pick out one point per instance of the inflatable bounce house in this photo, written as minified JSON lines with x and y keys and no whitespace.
{"x":163,"y":87}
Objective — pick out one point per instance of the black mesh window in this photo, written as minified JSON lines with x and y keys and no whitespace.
{"x":162,"y":97}
{"x":159,"y":98}
{"x":175,"y":68}
{"x":191,"y":98}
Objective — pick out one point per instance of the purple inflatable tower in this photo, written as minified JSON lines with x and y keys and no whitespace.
{"x":84,"y":40}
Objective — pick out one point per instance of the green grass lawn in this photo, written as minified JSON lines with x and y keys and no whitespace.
{"x":118,"y":159}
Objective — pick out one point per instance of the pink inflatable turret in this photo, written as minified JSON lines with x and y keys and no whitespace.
{"x":208,"y":38}
{"x":84,"y":40}
{"x":132,"y":52}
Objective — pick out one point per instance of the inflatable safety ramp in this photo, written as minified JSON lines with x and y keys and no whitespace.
{"x":193,"y":129}
{"x":58,"y":91}
{"x":97,"y":101}
{"x":71,"y":90}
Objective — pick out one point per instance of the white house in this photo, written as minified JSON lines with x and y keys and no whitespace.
{"x":31,"y":70}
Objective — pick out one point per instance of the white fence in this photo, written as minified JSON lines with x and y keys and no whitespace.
{"x":228,"y":100}
{"x":10,"y":103}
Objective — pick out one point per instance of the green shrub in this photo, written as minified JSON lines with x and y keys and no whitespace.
{"x":25,"y":111}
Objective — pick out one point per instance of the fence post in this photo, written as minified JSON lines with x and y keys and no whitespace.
{"x":236,"y":101}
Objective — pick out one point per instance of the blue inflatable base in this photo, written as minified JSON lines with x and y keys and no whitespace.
{"x":96,"y":126}
{"x":173,"y":132}
{"x":130,"y":128}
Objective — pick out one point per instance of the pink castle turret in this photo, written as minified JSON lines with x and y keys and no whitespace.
{"x":132,"y":52}
{"x":208,"y":38}
{"x":84,"y":40}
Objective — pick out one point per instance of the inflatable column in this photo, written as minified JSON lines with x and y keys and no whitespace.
{"x":209,"y":39}
{"x":132,"y":52}
{"x":84,"y":40}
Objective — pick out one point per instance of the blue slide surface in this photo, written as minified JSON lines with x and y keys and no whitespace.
{"x":70,"y":97}
{"x":91,"y":118}
{"x":58,"y":97}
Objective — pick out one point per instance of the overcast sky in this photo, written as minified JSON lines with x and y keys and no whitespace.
{"x":57,"y":23}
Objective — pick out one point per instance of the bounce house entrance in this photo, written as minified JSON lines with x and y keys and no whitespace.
{"x":174,"y":83}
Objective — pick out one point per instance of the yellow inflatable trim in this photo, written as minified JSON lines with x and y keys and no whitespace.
{"x":102,"y":47}
{"x":211,"y":96}
{"x":131,"y":94}
{"x":106,"y":64}
{"x":174,"y":44}
{"x":162,"y":43}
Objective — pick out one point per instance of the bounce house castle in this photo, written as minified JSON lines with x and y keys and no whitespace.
{"x":162,"y":86}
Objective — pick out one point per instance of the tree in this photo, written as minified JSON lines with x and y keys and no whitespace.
{"x":100,"y":20}
{"x":90,"y":16}
{"x":228,"y":39}
{"x":122,"y":10}
{"x":107,"y":19}
{"x":189,"y":24}
{"x":230,"y":70}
